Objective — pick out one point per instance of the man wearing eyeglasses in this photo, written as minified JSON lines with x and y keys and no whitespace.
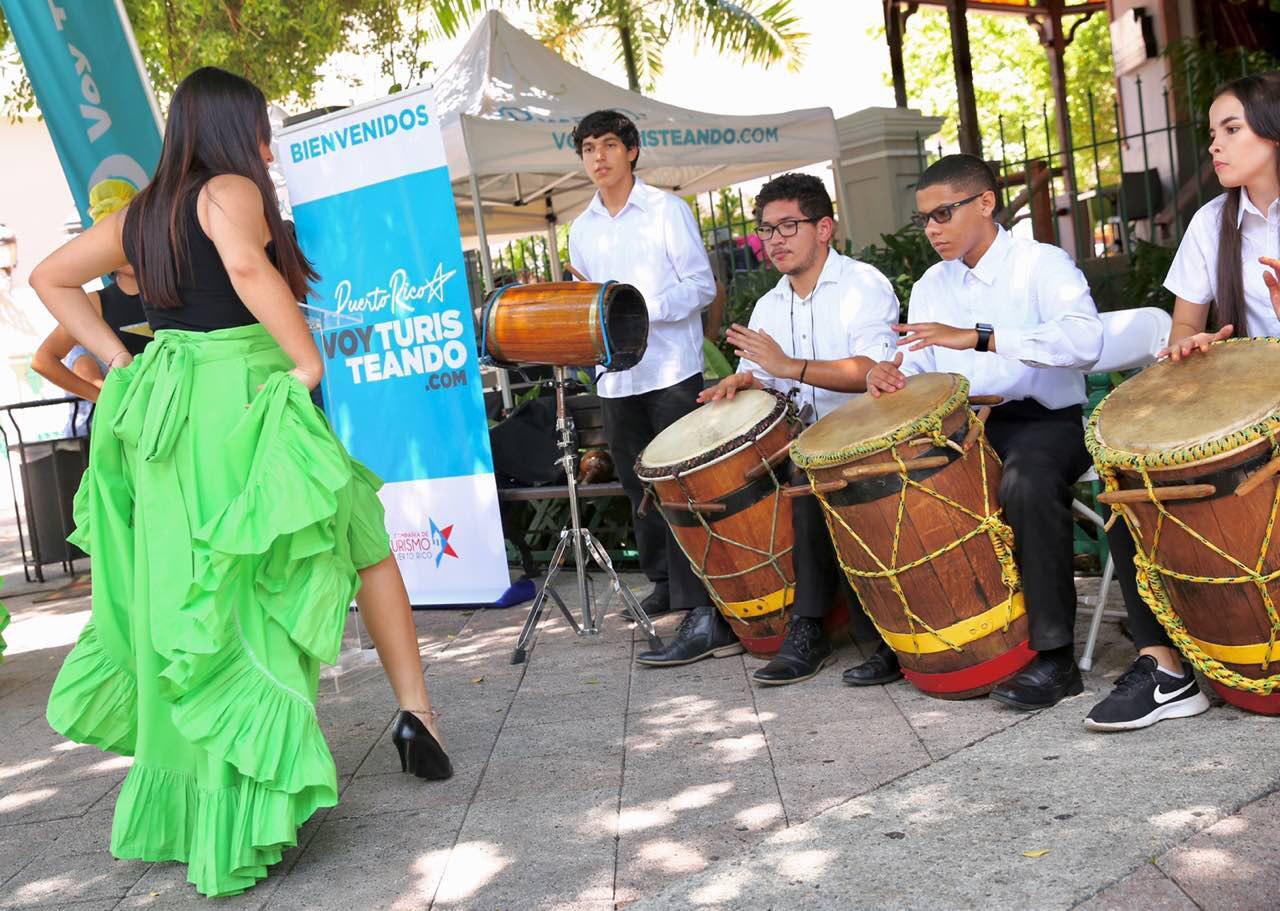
{"x":814,"y":336}
{"x":646,"y":237}
{"x":1015,"y":317}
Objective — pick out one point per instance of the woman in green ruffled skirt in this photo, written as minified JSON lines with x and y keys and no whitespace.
{"x":228,"y":527}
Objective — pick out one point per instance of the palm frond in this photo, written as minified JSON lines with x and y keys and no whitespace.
{"x":765,"y":35}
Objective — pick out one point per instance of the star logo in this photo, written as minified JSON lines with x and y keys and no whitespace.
{"x":440,"y":542}
{"x":435,"y":284}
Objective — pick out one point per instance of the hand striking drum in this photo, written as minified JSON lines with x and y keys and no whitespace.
{"x":1189,"y":454}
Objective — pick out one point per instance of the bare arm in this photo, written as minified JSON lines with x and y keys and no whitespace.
{"x":714,"y":316}
{"x":1188,"y":334}
{"x":58,"y":279}
{"x":230,"y":211}
{"x":846,"y":374}
{"x":47,"y":361}
{"x":1188,"y":319}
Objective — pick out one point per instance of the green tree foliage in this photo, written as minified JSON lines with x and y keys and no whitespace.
{"x":279,"y":44}
{"x":1196,"y":70}
{"x":1013,"y":88}
{"x":751,"y":31}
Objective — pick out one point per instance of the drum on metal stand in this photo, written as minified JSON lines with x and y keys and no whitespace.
{"x":567,"y":324}
{"x":717,"y":474}
{"x":1190,"y":454}
{"x":909,"y":486}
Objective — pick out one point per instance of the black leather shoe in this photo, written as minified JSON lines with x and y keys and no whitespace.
{"x":658,"y":601}
{"x":805,"y":651}
{"x":881,"y":667}
{"x":1042,"y":683}
{"x":702,"y":634}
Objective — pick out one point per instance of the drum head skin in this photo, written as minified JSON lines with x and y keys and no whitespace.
{"x":708,"y":428}
{"x":867,"y":418}
{"x":1204,"y":398}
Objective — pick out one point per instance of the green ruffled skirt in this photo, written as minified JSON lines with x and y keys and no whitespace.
{"x":4,"y":621}
{"x":225,"y":543}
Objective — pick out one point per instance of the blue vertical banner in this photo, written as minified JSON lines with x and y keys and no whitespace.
{"x":91,"y":88}
{"x":375,"y":214}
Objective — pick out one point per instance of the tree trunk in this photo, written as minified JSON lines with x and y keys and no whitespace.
{"x":629,"y":55}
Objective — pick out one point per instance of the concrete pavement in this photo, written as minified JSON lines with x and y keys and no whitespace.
{"x":586,"y":782}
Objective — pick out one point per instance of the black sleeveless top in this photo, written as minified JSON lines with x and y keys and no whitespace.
{"x":209,"y":301}
{"x":119,"y":310}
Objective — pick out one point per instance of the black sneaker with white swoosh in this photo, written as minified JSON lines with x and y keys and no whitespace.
{"x":1143,"y":695}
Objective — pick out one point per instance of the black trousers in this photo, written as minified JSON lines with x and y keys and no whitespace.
{"x":1143,"y":625}
{"x":1043,"y":454}
{"x":630,"y":424}
{"x":818,"y":573}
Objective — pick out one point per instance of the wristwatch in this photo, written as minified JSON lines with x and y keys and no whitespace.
{"x":985,"y":331}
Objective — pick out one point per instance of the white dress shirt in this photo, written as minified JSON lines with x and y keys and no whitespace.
{"x":1194,"y":273}
{"x":848,"y":313}
{"x":1047,"y":331}
{"x":652,"y":243}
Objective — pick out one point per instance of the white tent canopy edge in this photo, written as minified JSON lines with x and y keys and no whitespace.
{"x":508,"y":106}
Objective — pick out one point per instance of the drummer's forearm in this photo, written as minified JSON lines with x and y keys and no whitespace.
{"x":1188,"y":319}
{"x":848,"y":374}
{"x":1179,"y":331}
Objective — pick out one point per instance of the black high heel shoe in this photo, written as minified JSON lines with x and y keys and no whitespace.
{"x":420,"y":753}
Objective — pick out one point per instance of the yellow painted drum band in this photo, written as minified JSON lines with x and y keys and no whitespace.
{"x":758,"y":607}
{"x":1259,"y":653}
{"x":959,"y":633}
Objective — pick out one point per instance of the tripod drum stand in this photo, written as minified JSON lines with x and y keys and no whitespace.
{"x":562,"y":324}
{"x":584,"y":543}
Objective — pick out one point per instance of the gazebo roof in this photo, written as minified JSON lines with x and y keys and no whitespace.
{"x":1027,"y":7}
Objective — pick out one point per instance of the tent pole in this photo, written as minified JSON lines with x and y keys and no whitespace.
{"x":557,"y":273}
{"x":842,"y":201}
{"x":486,"y":263}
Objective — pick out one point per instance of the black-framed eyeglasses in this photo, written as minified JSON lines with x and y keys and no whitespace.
{"x":786,"y":228}
{"x":942,"y":214}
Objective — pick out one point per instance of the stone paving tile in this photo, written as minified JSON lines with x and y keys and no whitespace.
{"x":590,"y":736}
{"x":528,"y":852}
{"x":164,"y":887}
{"x":583,"y":779}
{"x":93,"y":904}
{"x":35,"y":801}
{"x":1234,"y":864}
{"x":382,"y":795}
{"x":54,"y":881}
{"x":1146,"y":888}
{"x":947,"y":726}
{"x":21,"y":844}
{"x":384,"y":862}
{"x":1044,"y":785}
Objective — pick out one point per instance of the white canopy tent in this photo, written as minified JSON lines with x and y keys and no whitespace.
{"x":508,"y":105}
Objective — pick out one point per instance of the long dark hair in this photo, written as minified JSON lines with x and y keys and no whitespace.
{"x":1259,"y":95}
{"x":217,"y":121}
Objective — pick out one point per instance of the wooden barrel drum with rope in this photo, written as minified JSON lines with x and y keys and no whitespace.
{"x":1190,"y":455}
{"x":909,"y":487}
